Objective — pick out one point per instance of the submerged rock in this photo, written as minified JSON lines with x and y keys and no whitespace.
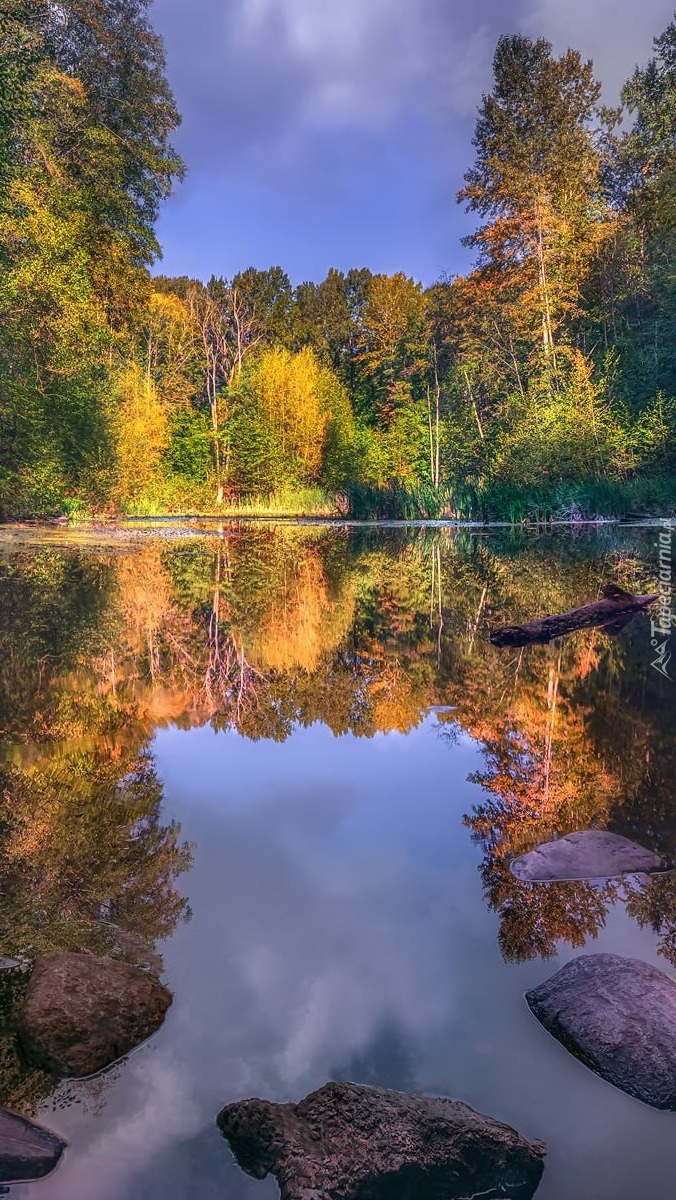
{"x":591,"y":854}
{"x":27,"y":1151}
{"x":618,"y":1016}
{"x":81,"y":1013}
{"x":348,"y":1142}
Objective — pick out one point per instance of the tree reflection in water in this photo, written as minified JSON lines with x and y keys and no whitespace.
{"x":270,"y":627}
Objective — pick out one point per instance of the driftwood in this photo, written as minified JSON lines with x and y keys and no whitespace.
{"x":611,"y":614}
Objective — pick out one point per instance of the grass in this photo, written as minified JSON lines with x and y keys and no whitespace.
{"x":288,"y":502}
{"x":583,"y":500}
{"x":398,"y":501}
{"x":571,"y":501}
{"x":574,"y":501}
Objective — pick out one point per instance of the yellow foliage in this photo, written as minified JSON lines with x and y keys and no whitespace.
{"x":142,"y":435}
{"x":303,"y":622}
{"x":293,"y":394}
{"x":394,"y":317}
{"x":170,"y":338}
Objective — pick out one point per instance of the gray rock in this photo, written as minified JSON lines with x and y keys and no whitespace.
{"x":27,"y":1151}
{"x":618,"y":1016}
{"x":591,"y":854}
{"x":348,"y":1142}
{"x":81,"y":1013}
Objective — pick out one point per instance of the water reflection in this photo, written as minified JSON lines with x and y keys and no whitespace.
{"x":315,"y":642}
{"x":266,"y":629}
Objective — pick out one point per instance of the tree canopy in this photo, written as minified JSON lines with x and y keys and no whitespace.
{"x":542,"y":381}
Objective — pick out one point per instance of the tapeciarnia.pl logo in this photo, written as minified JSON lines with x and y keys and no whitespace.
{"x":662,"y":629}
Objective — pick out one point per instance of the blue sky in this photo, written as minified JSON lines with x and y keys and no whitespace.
{"x":323,"y":133}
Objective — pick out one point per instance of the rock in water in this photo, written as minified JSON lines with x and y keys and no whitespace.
{"x":348,"y":1142}
{"x":618,"y":1016}
{"x":27,"y":1151}
{"x":81,"y":1013}
{"x":591,"y":854}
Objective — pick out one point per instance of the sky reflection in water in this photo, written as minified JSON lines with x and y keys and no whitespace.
{"x":339,"y":920}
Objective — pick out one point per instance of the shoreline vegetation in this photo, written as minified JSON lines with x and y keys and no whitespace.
{"x":595,"y":502}
{"x":539,"y":387}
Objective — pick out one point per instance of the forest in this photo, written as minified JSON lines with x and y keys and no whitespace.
{"x":540,"y":385}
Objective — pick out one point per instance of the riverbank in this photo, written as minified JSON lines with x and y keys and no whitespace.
{"x":484,"y":503}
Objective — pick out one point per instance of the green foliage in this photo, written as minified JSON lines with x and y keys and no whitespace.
{"x":85,"y":116}
{"x":20,"y":48}
{"x":540,"y":384}
{"x":189,"y":451}
{"x":570,"y":434}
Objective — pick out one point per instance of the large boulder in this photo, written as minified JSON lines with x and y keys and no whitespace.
{"x":81,"y":1013}
{"x":618,"y":1016}
{"x":590,"y":854}
{"x":27,"y":1151}
{"x":348,"y":1142}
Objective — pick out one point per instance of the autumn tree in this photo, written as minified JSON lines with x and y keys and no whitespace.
{"x":225,"y":319}
{"x":291,"y":423}
{"x":536,"y":185}
{"x":142,"y":437}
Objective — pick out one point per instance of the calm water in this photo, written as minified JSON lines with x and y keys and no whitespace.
{"x":289,"y":760}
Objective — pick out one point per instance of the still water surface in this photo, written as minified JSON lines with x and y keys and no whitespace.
{"x":290,"y":761}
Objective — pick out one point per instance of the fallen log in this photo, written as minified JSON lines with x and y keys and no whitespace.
{"x":611,"y":614}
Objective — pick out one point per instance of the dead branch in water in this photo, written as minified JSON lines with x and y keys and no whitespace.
{"x":611,"y":614}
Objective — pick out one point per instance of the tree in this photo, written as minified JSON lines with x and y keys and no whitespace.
{"x":142,"y":436}
{"x":291,"y":422}
{"x":266,"y":297}
{"x":20,"y":52}
{"x":637,"y":285}
{"x":228,"y":333}
{"x":85,"y":160}
{"x":123,"y":156}
{"x":391,"y":341}
{"x":168,"y":349}
{"x":647,"y":151}
{"x":537,"y":185}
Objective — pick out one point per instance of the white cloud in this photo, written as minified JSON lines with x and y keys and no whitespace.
{"x":258,"y":71}
{"x":271,"y":75}
{"x":617,"y":36}
{"x":318,"y":132}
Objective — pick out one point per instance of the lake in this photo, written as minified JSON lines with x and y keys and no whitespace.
{"x":287,"y":759}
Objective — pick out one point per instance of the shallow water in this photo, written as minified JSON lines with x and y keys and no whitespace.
{"x":291,"y":760}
